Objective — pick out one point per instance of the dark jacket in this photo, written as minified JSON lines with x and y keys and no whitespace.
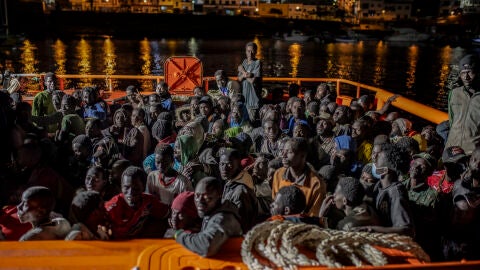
{"x":222,"y":224}
{"x":245,"y":200}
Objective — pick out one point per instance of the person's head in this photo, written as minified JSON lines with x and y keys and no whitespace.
{"x":388,"y":161}
{"x":138,"y":116}
{"x":325,"y":127}
{"x":134,"y":180}
{"x":367,"y":178}
{"x":57,"y":96}
{"x":199,"y":92}
{"x":29,"y":154}
{"x":360,"y":129}
{"x":454,"y":161}
{"x":307,"y":96}
{"x":95,"y":179}
{"x":88,"y":208}
{"x":301,"y":129}
{"x":221,"y":78}
{"x":422,"y":166}
{"x":230,"y":163}
{"x":184,"y":212}
{"x":271,"y":130}
{"x":236,"y":113}
{"x":90,"y":95}
{"x":118,"y":167}
{"x":154,"y":110}
{"x":93,"y":128}
{"x":400,"y":127}
{"x":409,"y":145}
{"x":36,"y":205}
{"x":163,"y":157}
{"x":251,"y":50}
{"x":342,"y":115}
{"x":260,"y":168}
{"x":120,"y":118}
{"x":392,"y":116}
{"x":294,"y":154}
{"x":469,"y":66}
{"x":223,"y":104}
{"x":289,"y":200}
{"x":298,"y":108}
{"x":206,"y":106}
{"x":217,"y":128}
{"x":366,"y":101}
{"x":195,"y":109}
{"x":68,"y":104}
{"x":208,"y":195}
{"x":50,"y":81}
{"x":273,"y":165}
{"x":293,"y":90}
{"x":153,"y":98}
{"x":161,"y":88}
{"x":133,"y":95}
{"x":322,"y":91}
{"x":348,"y":192}
{"x":313,"y":108}
{"x":82,"y":147}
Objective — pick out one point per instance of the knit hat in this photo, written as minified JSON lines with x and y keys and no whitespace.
{"x":453,"y":154}
{"x":431,"y":161}
{"x":403,"y":124}
{"x":185,"y":203}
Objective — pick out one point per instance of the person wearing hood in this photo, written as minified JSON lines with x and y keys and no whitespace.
{"x":464,"y":107}
{"x":220,"y":220}
{"x":402,"y":127}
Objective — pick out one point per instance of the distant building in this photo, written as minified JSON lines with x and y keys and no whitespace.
{"x":448,"y":7}
{"x":382,"y":10}
{"x":231,"y":7}
{"x":290,"y":11}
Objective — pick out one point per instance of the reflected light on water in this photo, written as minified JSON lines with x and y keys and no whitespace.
{"x":59,"y":56}
{"x":110,"y":61}
{"x":146,"y":59}
{"x":412,"y":59}
{"x":330,"y":68}
{"x":192,"y":47}
{"x":295,"y":52}
{"x":259,"y":48}
{"x":84,"y":65}
{"x":445,"y":59}
{"x":345,"y":60}
{"x":28,"y":62}
{"x":379,"y":73}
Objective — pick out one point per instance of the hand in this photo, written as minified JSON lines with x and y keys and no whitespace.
{"x":326,"y":204}
{"x":103,"y":232}
{"x":392,"y":98}
{"x":362,"y":229}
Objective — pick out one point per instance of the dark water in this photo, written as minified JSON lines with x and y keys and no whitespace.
{"x":418,"y":71}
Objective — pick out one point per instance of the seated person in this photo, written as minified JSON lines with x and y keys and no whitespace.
{"x":35,"y":208}
{"x":346,"y":209}
{"x":96,"y":180}
{"x":220,"y":220}
{"x":236,"y":190}
{"x":184,"y":215}
{"x":134,"y":213}
{"x":11,"y":229}
{"x":165,"y":183}
{"x":89,"y":218}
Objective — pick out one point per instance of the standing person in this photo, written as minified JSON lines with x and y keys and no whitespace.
{"x":250,"y":76}
{"x":464,"y":107}
{"x":42,"y":102}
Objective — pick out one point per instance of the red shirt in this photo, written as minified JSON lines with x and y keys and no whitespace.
{"x":11,"y":227}
{"x":127,"y":222}
{"x":438,"y":182}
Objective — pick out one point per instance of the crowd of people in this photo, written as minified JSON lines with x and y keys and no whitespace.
{"x":74,"y":167}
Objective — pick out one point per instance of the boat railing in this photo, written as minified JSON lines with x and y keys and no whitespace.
{"x":346,"y":89}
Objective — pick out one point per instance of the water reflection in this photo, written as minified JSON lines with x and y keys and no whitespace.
{"x":379,"y":74}
{"x":412,"y":59}
{"x":295,"y":52}
{"x":84,"y":52}
{"x":110,"y":61}
{"x":145,"y":57}
{"x":60,"y":56}
{"x":28,"y":61}
{"x":259,"y":48}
